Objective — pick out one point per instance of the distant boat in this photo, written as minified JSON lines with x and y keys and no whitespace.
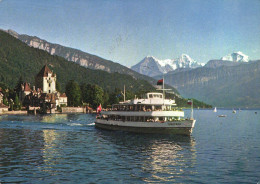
{"x":234,"y":111}
{"x":239,"y":110}
{"x":221,"y":116}
{"x":215,"y":110}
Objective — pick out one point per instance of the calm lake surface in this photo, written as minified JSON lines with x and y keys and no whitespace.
{"x":67,"y":148}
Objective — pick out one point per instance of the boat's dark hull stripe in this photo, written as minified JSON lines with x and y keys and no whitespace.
{"x":164,"y":130}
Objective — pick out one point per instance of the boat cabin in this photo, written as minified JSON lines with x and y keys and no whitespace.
{"x":149,"y":102}
{"x":151,"y":108}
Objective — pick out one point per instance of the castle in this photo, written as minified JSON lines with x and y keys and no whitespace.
{"x":46,"y":80}
{"x":44,"y":92}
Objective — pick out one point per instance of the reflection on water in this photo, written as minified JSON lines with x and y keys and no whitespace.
{"x":169,"y":160}
{"x":54,"y":147}
{"x":54,"y":118}
{"x":160,"y":157}
{"x":49,"y":153}
{"x":68,"y":149}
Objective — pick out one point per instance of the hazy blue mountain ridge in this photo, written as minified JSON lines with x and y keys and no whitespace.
{"x":224,"y":86}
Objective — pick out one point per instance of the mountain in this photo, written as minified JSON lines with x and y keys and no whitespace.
{"x":233,"y":59}
{"x":18,"y":59}
{"x":152,"y":66}
{"x":219,"y":63}
{"x":236,"y":57}
{"x":74,"y":55}
{"x":236,"y":85}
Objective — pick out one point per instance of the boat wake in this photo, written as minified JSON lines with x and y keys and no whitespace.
{"x":75,"y":124}
{"x":91,"y":124}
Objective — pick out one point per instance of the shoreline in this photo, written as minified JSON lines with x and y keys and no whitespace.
{"x":14,"y":113}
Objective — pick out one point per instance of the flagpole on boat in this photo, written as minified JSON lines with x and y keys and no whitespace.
{"x":191,"y":108}
{"x":124,"y":93}
{"x":163,"y":90}
{"x":190,"y":102}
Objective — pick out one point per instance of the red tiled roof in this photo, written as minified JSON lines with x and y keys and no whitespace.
{"x":26,"y":87}
{"x":63,"y":95}
{"x":51,"y":97}
{"x":44,"y":72}
{"x":3,"y":106}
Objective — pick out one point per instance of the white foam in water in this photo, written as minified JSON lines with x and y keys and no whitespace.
{"x":91,"y":124}
{"x":75,"y":124}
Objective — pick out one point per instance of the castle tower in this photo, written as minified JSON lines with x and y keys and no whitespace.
{"x":46,"y":80}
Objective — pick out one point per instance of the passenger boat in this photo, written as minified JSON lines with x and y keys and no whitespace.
{"x":150,"y":114}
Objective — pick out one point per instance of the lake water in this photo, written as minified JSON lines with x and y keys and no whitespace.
{"x":67,"y":148}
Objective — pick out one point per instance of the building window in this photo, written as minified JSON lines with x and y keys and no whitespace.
{"x":49,"y":84}
{"x":49,"y":91}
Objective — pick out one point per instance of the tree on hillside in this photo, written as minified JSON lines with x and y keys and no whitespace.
{"x":17,"y":103}
{"x":73,"y":93}
{"x":97,"y":96}
{"x":105,"y":99}
{"x":58,"y":86}
{"x":19,"y":83}
{"x":115,"y":97}
{"x":86,"y":91}
{"x":92,"y":94}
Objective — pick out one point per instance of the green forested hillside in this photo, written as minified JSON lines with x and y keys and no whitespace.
{"x":17,"y":59}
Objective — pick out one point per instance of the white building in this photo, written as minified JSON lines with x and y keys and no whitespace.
{"x":46,"y":80}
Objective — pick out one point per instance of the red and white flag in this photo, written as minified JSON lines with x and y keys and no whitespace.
{"x":99,"y":109}
{"x":189,"y":102}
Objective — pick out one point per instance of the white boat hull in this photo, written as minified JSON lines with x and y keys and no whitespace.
{"x":183,"y":127}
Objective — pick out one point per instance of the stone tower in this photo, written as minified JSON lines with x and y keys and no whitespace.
{"x":46,"y":80}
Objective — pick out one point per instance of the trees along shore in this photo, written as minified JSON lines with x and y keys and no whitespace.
{"x":88,"y":94}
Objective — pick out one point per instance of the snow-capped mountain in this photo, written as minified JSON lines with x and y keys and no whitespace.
{"x":236,"y":57}
{"x":152,"y":66}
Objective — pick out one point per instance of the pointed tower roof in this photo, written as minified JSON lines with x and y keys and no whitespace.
{"x":27,"y":87}
{"x":44,"y":72}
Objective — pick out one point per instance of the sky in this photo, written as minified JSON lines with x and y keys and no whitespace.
{"x":125,"y":31}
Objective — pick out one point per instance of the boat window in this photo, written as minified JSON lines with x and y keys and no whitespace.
{"x":150,"y":96}
{"x":157,"y":107}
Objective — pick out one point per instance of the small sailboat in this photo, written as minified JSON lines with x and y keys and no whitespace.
{"x":215,"y":110}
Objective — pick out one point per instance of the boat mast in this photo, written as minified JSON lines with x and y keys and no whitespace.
{"x":163,"y":90}
{"x":191,"y":108}
{"x":124,"y":93}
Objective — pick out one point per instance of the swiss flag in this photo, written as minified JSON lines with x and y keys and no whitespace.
{"x":189,"y":102}
{"x":99,"y":109}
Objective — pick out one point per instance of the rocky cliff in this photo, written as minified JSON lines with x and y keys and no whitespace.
{"x":77,"y":56}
